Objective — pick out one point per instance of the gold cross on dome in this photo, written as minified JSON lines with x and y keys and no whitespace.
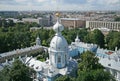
{"x":57,"y":14}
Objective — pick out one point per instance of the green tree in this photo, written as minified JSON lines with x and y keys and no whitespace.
{"x":89,"y":62}
{"x":11,"y":23}
{"x":113,"y":40}
{"x":17,"y":72}
{"x":4,"y":74}
{"x":95,"y":75}
{"x":44,"y":43}
{"x":65,"y":78}
{"x":95,"y":37}
{"x":0,"y":23}
{"x":90,"y":69}
{"x":4,"y":23}
{"x":117,"y":19}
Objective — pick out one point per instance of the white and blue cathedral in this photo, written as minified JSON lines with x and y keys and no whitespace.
{"x":59,"y":62}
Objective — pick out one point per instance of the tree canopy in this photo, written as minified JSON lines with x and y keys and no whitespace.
{"x":89,"y":62}
{"x":90,"y":69}
{"x":95,"y":37}
{"x":17,"y":72}
{"x":117,"y":18}
{"x":113,"y":40}
{"x":65,"y":78}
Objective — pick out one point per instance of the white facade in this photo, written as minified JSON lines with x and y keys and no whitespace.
{"x":31,"y":20}
{"x":103,"y":24}
{"x":40,"y":21}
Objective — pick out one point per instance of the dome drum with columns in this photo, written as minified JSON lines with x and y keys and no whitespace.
{"x":58,"y":51}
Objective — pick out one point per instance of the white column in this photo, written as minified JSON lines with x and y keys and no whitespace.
{"x":20,"y":57}
{"x":111,"y":71}
{"x":115,"y":74}
{"x":37,"y":75}
{"x":118,"y":75}
{"x":13,"y":59}
{"x":6,"y":60}
{"x":26,"y":56}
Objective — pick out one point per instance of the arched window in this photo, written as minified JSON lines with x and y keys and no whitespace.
{"x":59,"y":59}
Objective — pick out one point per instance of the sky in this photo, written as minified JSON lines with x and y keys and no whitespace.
{"x":85,"y":5}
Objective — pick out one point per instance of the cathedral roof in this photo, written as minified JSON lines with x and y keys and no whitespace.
{"x":58,"y":43}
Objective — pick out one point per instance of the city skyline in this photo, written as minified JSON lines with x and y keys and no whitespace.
{"x":51,"y":5}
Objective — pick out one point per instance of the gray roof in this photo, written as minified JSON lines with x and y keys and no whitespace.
{"x":22,"y":50}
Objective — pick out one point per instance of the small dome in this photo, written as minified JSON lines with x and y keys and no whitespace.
{"x":77,"y":39}
{"x":38,"y":41}
{"x":58,"y":43}
{"x":58,"y":27}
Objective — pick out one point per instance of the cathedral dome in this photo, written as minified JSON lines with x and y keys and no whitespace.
{"x":59,"y":43}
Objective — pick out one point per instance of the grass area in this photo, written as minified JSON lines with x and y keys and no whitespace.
{"x":42,"y":59}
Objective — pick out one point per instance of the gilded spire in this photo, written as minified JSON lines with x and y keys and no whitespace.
{"x":58,"y":27}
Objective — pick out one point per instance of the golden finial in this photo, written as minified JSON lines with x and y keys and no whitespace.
{"x":57,"y":14}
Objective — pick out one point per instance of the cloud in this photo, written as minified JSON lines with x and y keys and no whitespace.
{"x":104,"y":2}
{"x":62,"y":4}
{"x":21,"y":0}
{"x":9,"y":2}
{"x":74,"y":1}
{"x":109,"y":2}
{"x":42,"y":0}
